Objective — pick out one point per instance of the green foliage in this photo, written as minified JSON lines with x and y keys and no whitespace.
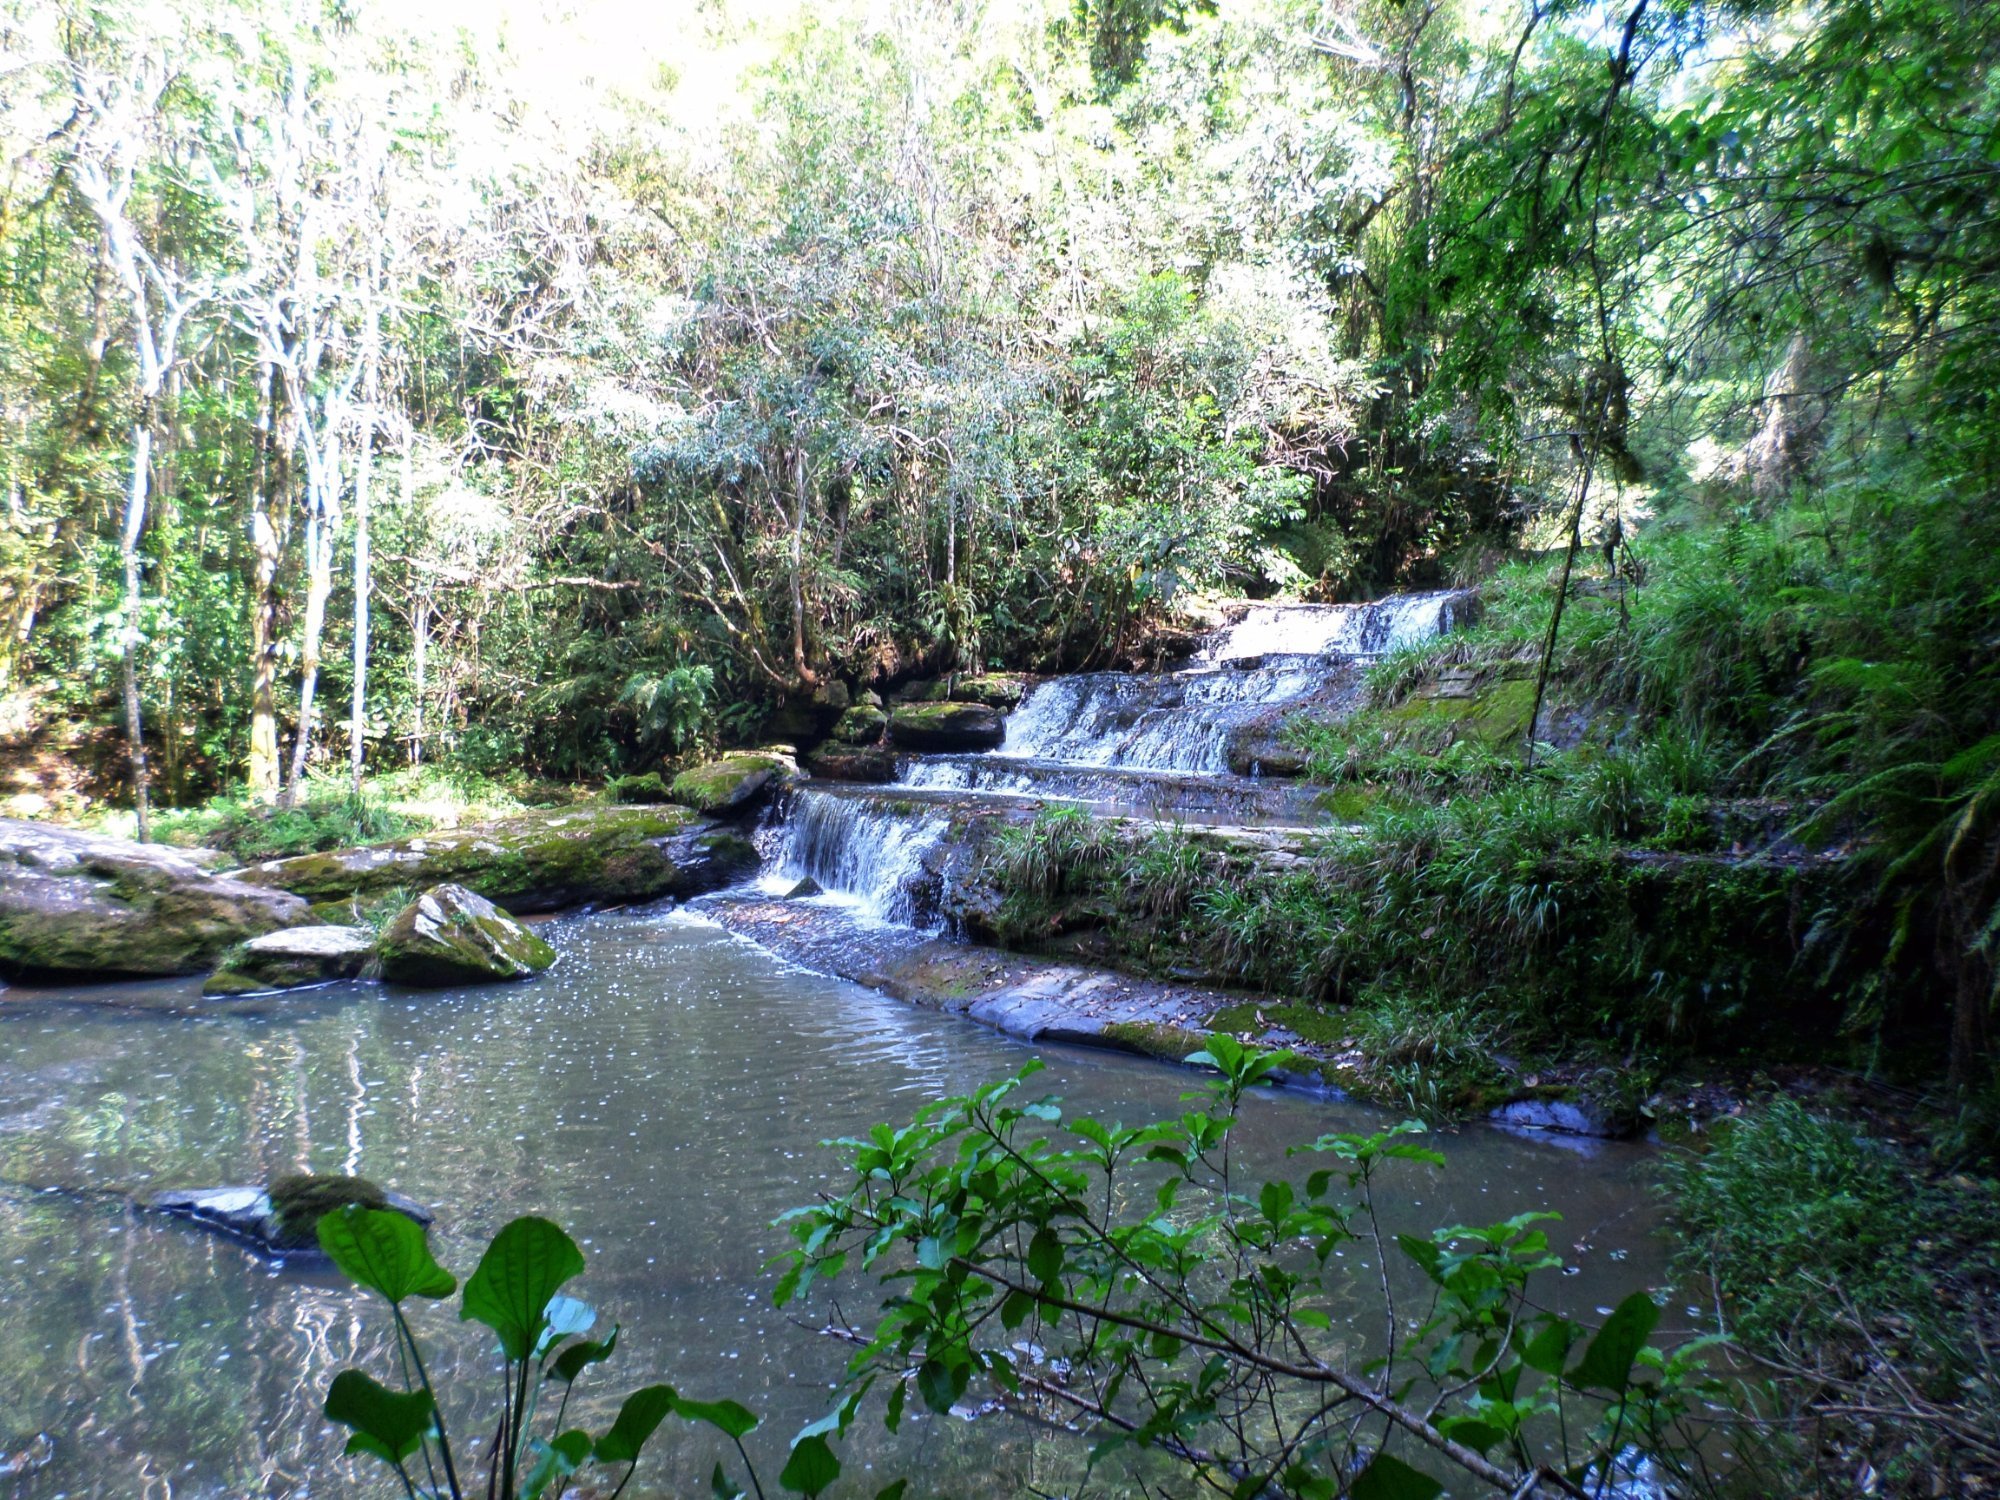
{"x":516,"y":1291}
{"x":1192,"y":1314}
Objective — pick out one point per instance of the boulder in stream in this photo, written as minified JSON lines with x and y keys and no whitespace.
{"x":452,"y":936}
{"x":83,"y":904}
{"x":282,"y":1219}
{"x":731,"y":784}
{"x":291,"y":959}
{"x":863,"y":763}
{"x":533,"y":861}
{"x":947,"y":726}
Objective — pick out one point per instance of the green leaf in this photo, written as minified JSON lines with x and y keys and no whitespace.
{"x":720,"y":1486}
{"x":389,"y":1424}
{"x":517,"y":1278}
{"x":1045,"y":1256}
{"x":894,"y":1491}
{"x":1607,"y":1363}
{"x":572,"y":1361}
{"x":811,"y":1468}
{"x":638,"y":1419}
{"x":556,"y":1459}
{"x":1389,"y":1478}
{"x":726,"y":1416}
{"x":940,"y":1384}
{"x":384,"y":1251}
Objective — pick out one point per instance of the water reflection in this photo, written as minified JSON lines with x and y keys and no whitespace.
{"x":660,"y":1093}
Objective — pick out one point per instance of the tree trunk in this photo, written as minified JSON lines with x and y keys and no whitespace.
{"x":319,"y":586}
{"x":128,"y":551}
{"x":356,"y":741}
{"x":263,"y":767}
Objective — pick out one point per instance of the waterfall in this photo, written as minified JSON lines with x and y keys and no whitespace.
{"x":1349,"y":629}
{"x":867,"y":849}
{"x":1137,"y":744}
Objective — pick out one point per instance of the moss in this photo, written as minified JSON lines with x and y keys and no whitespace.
{"x":1494,"y":714}
{"x":540,"y":861}
{"x":1310,"y":1024}
{"x":861,"y":725}
{"x":645,"y":788}
{"x":1350,"y":803}
{"x":946,"y":727}
{"x":299,"y":1202}
{"x":726,"y":784}
{"x":1153,"y":1039}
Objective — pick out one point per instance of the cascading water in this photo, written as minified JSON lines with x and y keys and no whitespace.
{"x":1141,"y":744}
{"x":862,"y":848}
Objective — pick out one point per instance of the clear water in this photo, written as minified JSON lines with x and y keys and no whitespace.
{"x":660,"y":1093}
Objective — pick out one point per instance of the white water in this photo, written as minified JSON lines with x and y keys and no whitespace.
{"x":1072,"y":738}
{"x":1349,"y":629}
{"x":865,"y":851}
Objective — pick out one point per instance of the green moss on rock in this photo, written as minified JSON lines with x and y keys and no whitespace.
{"x":727,"y":785}
{"x":299,"y":1202}
{"x":946,"y":727}
{"x":861,"y":725}
{"x":452,"y":936}
{"x":531,"y":862}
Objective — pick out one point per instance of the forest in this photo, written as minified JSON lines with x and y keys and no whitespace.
{"x":415,"y":416}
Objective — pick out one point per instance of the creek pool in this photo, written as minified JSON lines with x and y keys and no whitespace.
{"x":661,"y":1094}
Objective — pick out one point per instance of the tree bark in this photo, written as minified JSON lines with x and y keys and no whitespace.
{"x":264,"y":770}
{"x":128,"y":552}
{"x":319,"y":587}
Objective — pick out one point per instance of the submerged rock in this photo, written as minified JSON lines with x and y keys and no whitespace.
{"x":863,"y":763}
{"x":291,"y":959}
{"x":947,"y":726}
{"x":730,"y":784}
{"x":284,"y":1218}
{"x":533,"y":862}
{"x":84,"y":904}
{"x":804,"y":888}
{"x":452,"y":936}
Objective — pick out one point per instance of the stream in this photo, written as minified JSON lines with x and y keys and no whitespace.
{"x":661,"y":1093}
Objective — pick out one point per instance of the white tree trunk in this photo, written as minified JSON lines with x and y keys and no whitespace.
{"x":128,"y":551}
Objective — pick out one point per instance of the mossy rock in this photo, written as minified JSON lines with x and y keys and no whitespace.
{"x":860,"y":763}
{"x":283,"y":1219}
{"x":1001,"y":690}
{"x":646,"y":788}
{"x":531,"y":862}
{"x":299,"y":1202}
{"x":1492,"y":713}
{"x":82,"y":904}
{"x":729,"y":785}
{"x":451,"y":936}
{"x":861,"y":725}
{"x":292,"y":959}
{"x":947,"y":727}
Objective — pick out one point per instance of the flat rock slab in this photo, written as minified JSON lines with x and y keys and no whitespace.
{"x":534,"y":862}
{"x":84,"y":904}
{"x":292,"y":959}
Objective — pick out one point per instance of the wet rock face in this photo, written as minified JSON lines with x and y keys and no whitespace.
{"x":283,"y":1219}
{"x":291,"y":959}
{"x":731,"y":784}
{"x":452,"y":936}
{"x":83,"y":904}
{"x":532,"y":862}
{"x":947,"y":727}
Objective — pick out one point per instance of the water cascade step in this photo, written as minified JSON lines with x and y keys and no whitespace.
{"x":1148,"y":745}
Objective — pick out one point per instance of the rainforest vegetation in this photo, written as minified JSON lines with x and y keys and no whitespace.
{"x":407,"y":409}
